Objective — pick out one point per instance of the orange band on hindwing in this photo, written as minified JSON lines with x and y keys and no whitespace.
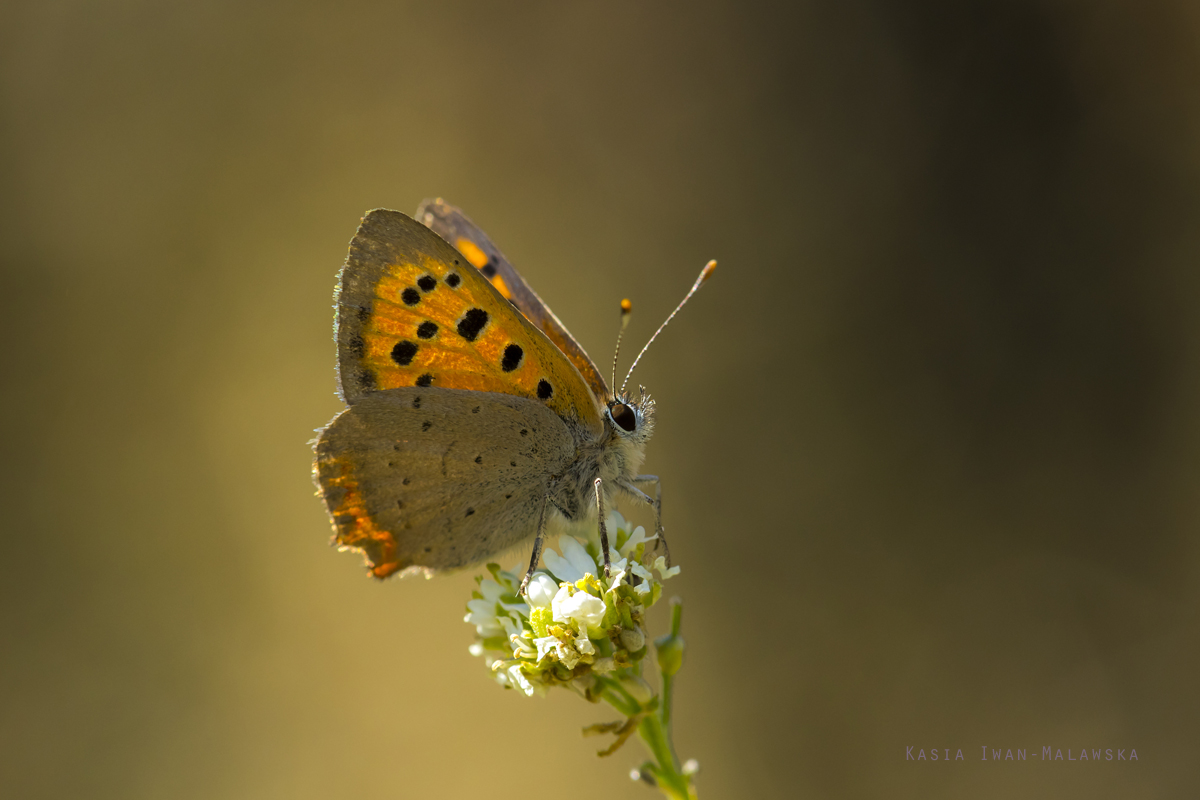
{"x":355,"y":528}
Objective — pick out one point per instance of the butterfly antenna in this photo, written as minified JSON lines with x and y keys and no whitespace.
{"x":626,"y":308}
{"x":705,"y":274}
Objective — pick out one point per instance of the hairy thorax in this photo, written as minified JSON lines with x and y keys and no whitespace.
{"x":612,"y":458}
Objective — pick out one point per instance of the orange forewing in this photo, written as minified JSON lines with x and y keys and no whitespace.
{"x":479,"y":260}
{"x":456,"y":228}
{"x":388,"y":334}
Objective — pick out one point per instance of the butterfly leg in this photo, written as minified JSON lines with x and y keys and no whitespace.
{"x":600,"y":515}
{"x":656,"y":504}
{"x":537,"y":546}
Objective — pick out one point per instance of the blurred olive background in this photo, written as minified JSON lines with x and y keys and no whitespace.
{"x":929,"y":438}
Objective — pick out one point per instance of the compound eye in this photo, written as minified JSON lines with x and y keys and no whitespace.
{"x":623,"y":415}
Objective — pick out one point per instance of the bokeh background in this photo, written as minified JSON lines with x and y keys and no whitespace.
{"x":929,"y":438}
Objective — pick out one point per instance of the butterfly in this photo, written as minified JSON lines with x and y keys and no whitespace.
{"x":472,"y":413}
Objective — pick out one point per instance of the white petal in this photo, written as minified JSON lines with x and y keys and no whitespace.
{"x":490,"y":589}
{"x":563,"y":569}
{"x":618,"y":576}
{"x":518,"y":679}
{"x":488,"y":629}
{"x":475,"y":649}
{"x":541,"y":590}
{"x":573,"y":551}
{"x":637,"y":537}
{"x":486,"y":624}
{"x":519,"y":608}
{"x":583,"y":608}
{"x":660,"y":564}
{"x":511,"y":628}
{"x":485,"y":608}
{"x":616,"y":564}
{"x":584,"y":645}
{"x":546,"y":644}
{"x":603,"y":665}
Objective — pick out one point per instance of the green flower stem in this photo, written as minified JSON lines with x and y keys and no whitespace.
{"x":668,"y":678}
{"x":656,"y":732}
{"x":671,"y":782}
{"x":654,"y":725}
{"x":619,"y":699}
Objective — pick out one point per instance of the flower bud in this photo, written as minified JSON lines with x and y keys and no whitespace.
{"x":638,"y":688}
{"x":670,"y":653}
{"x":632,"y":639}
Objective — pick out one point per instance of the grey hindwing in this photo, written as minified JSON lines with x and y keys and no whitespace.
{"x":456,"y":476}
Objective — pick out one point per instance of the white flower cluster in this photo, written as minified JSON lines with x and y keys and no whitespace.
{"x":574,"y":625}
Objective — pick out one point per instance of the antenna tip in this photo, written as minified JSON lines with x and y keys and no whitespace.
{"x":708,"y":270}
{"x":626,"y":306}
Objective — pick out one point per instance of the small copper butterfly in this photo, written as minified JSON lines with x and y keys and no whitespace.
{"x":472,"y":412}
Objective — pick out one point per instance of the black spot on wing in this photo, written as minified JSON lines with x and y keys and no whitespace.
{"x":427,"y":283}
{"x":425,"y":380}
{"x":478,"y":459}
{"x":426,"y":425}
{"x":472,"y":323}
{"x":488,"y":270}
{"x":356,"y":345}
{"x":470,"y":511}
{"x":417,"y":401}
{"x":545,"y":391}
{"x":452,"y":280}
{"x":426,"y":330}
{"x":410,"y":296}
{"x":366,"y":379}
{"x":513,"y":354}
{"x":403,"y":353}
